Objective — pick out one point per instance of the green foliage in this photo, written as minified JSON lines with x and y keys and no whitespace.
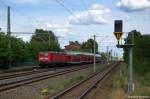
{"x":88,"y":46}
{"x":141,"y":53}
{"x":119,"y":80}
{"x":23,"y":51}
{"x":16,"y":52}
{"x":104,"y":56}
{"x":43,"y":41}
{"x":128,"y":40}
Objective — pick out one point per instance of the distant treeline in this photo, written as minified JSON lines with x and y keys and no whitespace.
{"x":21,"y":51}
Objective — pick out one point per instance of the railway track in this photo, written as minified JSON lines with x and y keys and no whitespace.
{"x":2,"y":77}
{"x":82,"y":88}
{"x":33,"y":71}
{"x":18,"y":70}
{"x":15,"y":84}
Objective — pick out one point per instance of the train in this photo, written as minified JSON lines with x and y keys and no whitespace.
{"x":52,"y":58}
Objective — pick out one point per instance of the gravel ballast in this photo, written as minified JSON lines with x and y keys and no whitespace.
{"x":55,"y":84}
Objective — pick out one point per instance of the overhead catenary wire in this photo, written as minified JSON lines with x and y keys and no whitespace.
{"x":28,"y":17}
{"x":91,"y":29}
{"x":5,"y":5}
{"x":60,"y":2}
{"x":85,"y":7}
{"x":24,"y":15}
{"x":13,"y":22}
{"x":34,"y":33}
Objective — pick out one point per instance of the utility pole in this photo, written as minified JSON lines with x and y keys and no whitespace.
{"x":130,"y":82}
{"x":111,"y":54}
{"x":8,"y":22}
{"x":9,"y":34}
{"x":94,"y":54}
{"x":114,"y":56}
{"x":49,"y":41}
{"x":107,"y":54}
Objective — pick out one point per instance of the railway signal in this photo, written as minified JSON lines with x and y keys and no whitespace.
{"x":118,"y":33}
{"x":118,"y":29}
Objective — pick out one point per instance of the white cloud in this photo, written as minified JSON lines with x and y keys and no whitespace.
{"x":92,"y":16}
{"x":133,"y":5}
{"x":59,"y":29}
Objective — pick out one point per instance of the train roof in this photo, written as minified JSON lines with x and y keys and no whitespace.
{"x":83,"y":53}
{"x":50,"y":52}
{"x":74,"y":53}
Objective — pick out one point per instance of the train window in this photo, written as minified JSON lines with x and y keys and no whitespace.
{"x":43,"y":54}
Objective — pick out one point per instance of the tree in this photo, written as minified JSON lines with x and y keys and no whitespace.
{"x":88,"y":46}
{"x":24,"y":51}
{"x":141,"y":52}
{"x":104,"y":56}
{"x":43,"y":41}
{"x":13,"y":54}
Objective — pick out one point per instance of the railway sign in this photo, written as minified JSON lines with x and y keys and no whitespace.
{"x":118,"y":29}
{"x":118,"y":35}
{"x":118,"y":24}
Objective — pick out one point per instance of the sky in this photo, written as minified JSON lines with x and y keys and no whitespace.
{"x":79,"y":20}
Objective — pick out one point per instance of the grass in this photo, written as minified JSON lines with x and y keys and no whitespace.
{"x":143,"y":79}
{"x":141,"y":90}
{"x":117,"y":94}
{"x":120,"y":81}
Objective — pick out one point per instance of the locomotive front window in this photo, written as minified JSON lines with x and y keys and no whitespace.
{"x":43,"y":54}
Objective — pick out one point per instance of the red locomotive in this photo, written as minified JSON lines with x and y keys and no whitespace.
{"x":67,"y":58}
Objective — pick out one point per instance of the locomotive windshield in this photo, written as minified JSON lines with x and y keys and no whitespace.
{"x":43,"y":54}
